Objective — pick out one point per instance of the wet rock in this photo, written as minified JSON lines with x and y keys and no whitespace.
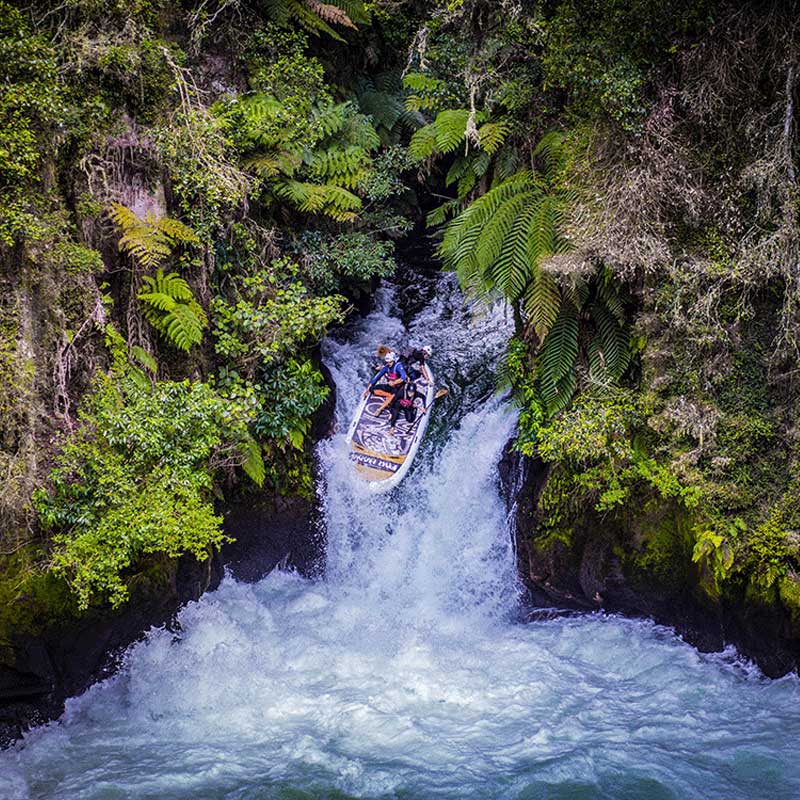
{"x":39,"y":672}
{"x":599,"y":567}
{"x":272,"y":532}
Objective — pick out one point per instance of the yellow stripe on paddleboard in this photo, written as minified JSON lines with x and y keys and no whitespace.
{"x":369,"y":463}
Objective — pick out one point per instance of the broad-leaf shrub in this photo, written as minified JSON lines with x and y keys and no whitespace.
{"x":345,"y":261}
{"x":271,"y":314}
{"x":135,"y":478}
{"x":290,"y":393}
{"x":597,"y":443}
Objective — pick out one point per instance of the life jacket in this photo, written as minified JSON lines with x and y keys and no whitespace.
{"x":392,"y":376}
{"x":408,"y":397}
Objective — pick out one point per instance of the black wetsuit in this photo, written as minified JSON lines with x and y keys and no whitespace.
{"x":412,"y":359}
{"x":403,"y":403}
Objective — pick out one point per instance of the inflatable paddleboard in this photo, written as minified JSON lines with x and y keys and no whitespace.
{"x":382,"y":458}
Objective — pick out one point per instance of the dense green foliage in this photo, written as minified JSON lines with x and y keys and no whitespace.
{"x":217,"y":181}
{"x":136,"y":476}
{"x":648,"y":257}
{"x":173,"y":243}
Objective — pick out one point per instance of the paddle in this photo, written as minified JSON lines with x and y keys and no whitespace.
{"x":440,"y":393}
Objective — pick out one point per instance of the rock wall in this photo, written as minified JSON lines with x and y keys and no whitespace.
{"x":639,"y":564}
{"x":39,"y":671}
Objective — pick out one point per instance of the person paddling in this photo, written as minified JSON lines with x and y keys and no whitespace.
{"x":395,"y":376}
{"x":404,"y":403}
{"x":414,"y":360}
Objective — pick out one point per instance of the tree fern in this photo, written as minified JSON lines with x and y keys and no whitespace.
{"x":381,"y":97}
{"x":423,"y":143}
{"x":444,"y":135}
{"x":329,"y":120}
{"x":425,"y":92}
{"x":320,"y":175}
{"x":491,"y":135}
{"x":149,"y":240}
{"x":557,"y":361}
{"x":500,"y":240}
{"x":345,"y":166}
{"x":171,"y":308}
{"x":542,"y":302}
{"x":610,"y":347}
{"x":498,"y":245}
{"x":316,"y":16}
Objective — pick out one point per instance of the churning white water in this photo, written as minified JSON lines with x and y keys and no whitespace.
{"x":404,"y":672}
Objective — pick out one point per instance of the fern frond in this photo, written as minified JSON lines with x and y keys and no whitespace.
{"x":480,"y":163}
{"x":343,"y":166}
{"x":457,"y":170}
{"x":309,"y":197}
{"x":542,"y":302}
{"x":158,"y":300}
{"x":608,"y":295}
{"x":359,"y":131}
{"x":123,"y":217}
{"x":442,"y":213}
{"x":340,"y":204}
{"x":466,"y":184}
{"x":329,"y":120}
{"x":170,"y":307}
{"x":271,"y":165}
{"x":550,"y":149}
{"x":330,"y":13}
{"x":144,"y":358}
{"x":176,"y":231}
{"x":451,"y":128}
{"x":496,"y":250}
{"x":182,"y":327}
{"x":259,"y":108}
{"x":557,"y":360}
{"x":491,"y":135}
{"x":149,"y":241}
{"x":170,"y":285}
{"x":355,"y":9}
{"x":612,"y":342}
{"x":423,"y":143}
{"x":507,"y":163}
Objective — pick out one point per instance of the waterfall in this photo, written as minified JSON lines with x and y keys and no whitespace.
{"x":404,"y":672}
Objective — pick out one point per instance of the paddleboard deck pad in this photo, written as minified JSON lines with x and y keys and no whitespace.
{"x":380,"y":457}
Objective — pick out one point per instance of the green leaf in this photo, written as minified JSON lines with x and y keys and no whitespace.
{"x":254,"y":461}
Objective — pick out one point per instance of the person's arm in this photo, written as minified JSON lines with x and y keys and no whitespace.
{"x":378,"y":375}
{"x":425,"y":373}
{"x":401,"y":371}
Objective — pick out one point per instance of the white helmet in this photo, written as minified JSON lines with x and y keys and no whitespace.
{"x":390,"y":358}
{"x":427,"y":349}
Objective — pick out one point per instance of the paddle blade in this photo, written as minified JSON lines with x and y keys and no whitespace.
{"x":440,"y":393}
{"x":382,"y":350}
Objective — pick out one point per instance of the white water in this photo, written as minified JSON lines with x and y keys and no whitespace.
{"x":404,"y":673}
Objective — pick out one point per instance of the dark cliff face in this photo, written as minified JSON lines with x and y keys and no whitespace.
{"x":614,"y":566}
{"x":38,"y":672}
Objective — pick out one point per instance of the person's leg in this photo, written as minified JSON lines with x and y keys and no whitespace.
{"x":385,"y":391}
{"x":394,"y":391}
